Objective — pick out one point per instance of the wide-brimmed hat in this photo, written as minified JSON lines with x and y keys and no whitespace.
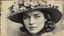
{"x":22,"y":7}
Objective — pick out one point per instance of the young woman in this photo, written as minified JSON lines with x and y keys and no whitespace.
{"x":36,"y":19}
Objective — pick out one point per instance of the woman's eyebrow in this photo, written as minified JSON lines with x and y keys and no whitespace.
{"x":36,"y":14}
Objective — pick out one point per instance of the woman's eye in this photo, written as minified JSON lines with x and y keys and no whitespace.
{"x":37,"y":16}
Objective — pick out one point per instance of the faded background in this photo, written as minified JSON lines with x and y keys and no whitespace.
{"x":9,"y":28}
{"x":0,"y":17}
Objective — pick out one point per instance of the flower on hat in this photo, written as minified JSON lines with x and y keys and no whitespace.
{"x":24,"y":6}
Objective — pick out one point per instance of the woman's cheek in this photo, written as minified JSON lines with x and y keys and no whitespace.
{"x":26,"y":21}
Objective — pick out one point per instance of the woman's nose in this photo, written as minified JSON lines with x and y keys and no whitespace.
{"x":32,"y":20}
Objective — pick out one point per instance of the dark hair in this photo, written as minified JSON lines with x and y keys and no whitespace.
{"x":49,"y":24}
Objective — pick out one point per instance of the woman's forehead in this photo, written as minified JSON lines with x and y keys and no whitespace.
{"x":36,"y":12}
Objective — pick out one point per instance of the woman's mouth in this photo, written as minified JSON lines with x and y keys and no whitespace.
{"x":32,"y":28}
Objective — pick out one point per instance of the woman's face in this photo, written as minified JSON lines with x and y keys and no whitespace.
{"x":34,"y":21}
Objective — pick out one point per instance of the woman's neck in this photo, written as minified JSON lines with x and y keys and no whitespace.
{"x":34,"y":34}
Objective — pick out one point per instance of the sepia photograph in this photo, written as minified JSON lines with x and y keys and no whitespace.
{"x":32,"y":17}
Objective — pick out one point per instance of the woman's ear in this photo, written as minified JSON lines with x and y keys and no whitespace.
{"x":45,"y":19}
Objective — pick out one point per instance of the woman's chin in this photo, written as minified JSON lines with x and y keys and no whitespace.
{"x":33,"y":31}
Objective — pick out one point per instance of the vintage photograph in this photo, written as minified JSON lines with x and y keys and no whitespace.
{"x":32,"y":17}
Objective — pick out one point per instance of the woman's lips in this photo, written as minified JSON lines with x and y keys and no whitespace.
{"x":32,"y":28}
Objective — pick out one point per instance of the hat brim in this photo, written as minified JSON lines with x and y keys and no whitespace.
{"x":54,"y":13}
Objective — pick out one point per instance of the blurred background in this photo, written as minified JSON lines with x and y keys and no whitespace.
{"x":9,"y":28}
{"x":0,"y":18}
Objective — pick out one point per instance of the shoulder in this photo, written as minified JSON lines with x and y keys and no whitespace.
{"x":61,"y":33}
{"x":47,"y":34}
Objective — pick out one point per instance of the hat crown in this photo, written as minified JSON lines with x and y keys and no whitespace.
{"x":24,"y":6}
